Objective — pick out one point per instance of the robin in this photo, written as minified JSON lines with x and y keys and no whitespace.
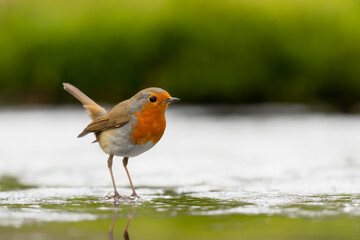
{"x":129,"y":128}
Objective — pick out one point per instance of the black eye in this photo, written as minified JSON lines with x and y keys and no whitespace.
{"x":152,"y":99}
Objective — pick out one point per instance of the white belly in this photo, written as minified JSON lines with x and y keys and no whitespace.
{"x":118,"y":142}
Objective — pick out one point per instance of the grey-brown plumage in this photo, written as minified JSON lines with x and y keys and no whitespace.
{"x":119,"y":115}
{"x":116,"y":117}
{"x":129,"y":128}
{"x":92,"y":107}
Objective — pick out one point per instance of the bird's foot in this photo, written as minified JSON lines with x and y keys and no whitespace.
{"x":116,"y":196}
{"x":134,"y":195}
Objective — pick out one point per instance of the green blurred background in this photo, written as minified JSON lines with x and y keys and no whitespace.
{"x":203,"y":51}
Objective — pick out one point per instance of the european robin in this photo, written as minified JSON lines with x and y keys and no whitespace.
{"x":128,"y":129}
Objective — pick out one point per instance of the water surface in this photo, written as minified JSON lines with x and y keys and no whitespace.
{"x":230,"y":176}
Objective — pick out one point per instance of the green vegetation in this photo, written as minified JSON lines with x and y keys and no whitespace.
{"x":9,"y":183}
{"x":194,"y":227}
{"x":177,"y":217}
{"x":200,"y":50}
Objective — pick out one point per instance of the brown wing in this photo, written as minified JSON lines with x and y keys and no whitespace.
{"x":115,"y":118}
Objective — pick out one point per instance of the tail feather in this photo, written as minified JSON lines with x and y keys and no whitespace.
{"x":92,"y":107}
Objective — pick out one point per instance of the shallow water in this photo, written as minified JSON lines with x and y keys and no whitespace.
{"x":212,"y":175}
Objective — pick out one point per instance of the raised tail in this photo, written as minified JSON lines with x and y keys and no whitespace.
{"x":92,"y":107}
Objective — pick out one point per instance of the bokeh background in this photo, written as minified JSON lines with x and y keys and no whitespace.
{"x":260,"y":146}
{"x":204,"y":51}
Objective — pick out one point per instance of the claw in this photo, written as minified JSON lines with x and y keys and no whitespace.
{"x":134,"y":195}
{"x":117,"y":196}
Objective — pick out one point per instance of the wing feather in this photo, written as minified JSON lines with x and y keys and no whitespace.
{"x":115,"y":118}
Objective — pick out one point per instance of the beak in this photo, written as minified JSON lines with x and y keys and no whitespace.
{"x":171,"y":100}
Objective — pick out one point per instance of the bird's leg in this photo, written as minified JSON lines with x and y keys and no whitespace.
{"x":126,"y":234}
{"x":110,"y":162}
{"x":125,"y":162}
{"x":111,"y":236}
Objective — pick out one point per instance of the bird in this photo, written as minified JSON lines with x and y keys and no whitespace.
{"x":129,"y":129}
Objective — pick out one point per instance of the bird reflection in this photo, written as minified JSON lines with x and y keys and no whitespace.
{"x":126,"y":233}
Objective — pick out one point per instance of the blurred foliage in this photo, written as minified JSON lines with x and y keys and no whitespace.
{"x":230,"y":227}
{"x":10,"y":183}
{"x":233,"y":51}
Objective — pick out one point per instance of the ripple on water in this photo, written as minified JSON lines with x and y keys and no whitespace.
{"x":299,"y":165}
{"x":78,"y":204}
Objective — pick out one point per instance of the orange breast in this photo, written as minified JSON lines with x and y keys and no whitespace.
{"x":150,"y":125}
